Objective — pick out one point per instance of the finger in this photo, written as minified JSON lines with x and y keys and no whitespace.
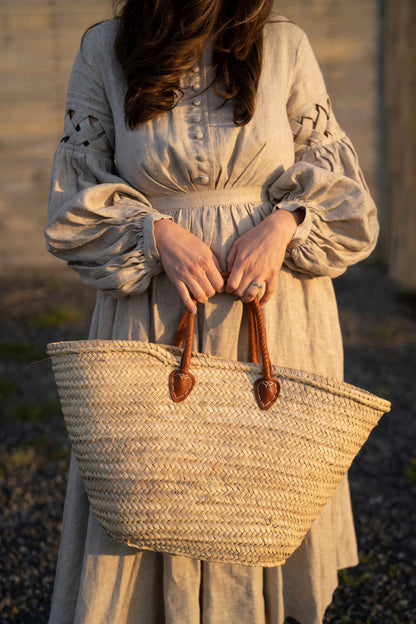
{"x":203,"y":282}
{"x":249,"y":286}
{"x":231,"y":257}
{"x":234,"y":280}
{"x":254,"y":290}
{"x":215,"y":278}
{"x":200,"y":287}
{"x":269,"y":291}
{"x":219,"y":283}
{"x":185,"y":296}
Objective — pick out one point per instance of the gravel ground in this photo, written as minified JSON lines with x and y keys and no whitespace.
{"x":379,"y":328}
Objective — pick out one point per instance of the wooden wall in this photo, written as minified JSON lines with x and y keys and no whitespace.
{"x":399,"y":132}
{"x":38,"y":42}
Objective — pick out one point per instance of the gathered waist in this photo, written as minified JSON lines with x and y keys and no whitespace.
{"x":198,"y":199}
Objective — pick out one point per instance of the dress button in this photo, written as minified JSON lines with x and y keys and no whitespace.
{"x":195,"y":69}
{"x":196,"y":118}
{"x":196,"y":102}
{"x":199,"y":135}
{"x":196,"y":87}
{"x":204,"y":179}
{"x":201,"y":158}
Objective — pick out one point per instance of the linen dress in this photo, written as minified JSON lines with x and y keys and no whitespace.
{"x":194,"y":165}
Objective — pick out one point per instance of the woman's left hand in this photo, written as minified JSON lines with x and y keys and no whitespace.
{"x":257,"y":256}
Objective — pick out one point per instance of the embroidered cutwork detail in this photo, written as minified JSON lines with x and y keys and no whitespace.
{"x":314,"y":125}
{"x":86,"y":131}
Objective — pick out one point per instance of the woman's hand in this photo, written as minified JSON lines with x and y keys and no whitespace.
{"x":188,"y":262}
{"x":257,"y":256}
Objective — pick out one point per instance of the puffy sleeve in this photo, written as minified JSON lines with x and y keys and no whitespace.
{"x":340,"y":224}
{"x":99,"y":224}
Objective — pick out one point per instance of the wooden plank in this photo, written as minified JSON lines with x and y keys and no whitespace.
{"x":400,"y":148}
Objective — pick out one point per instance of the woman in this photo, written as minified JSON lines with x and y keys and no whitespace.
{"x":198,"y":138}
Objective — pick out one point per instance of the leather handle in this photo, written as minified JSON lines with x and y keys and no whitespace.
{"x":253,"y":342}
{"x":182,"y":381}
{"x":253,"y":339}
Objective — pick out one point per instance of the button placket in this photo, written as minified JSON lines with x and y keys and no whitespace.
{"x":201,"y":175}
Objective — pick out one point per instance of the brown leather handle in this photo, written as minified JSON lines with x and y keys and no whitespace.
{"x":253,"y":339}
{"x":253,"y":342}
{"x":266,"y":388}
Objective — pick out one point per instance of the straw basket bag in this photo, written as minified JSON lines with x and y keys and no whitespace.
{"x":231,"y":462}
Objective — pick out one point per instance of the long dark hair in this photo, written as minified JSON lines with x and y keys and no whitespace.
{"x":159,"y":40}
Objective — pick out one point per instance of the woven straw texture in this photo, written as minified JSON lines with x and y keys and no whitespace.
{"x":214,"y":477}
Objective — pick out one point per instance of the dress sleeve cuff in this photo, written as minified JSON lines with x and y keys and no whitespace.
{"x":303,"y":229}
{"x":150,"y":250}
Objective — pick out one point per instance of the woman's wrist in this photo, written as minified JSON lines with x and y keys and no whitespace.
{"x":159,"y":226}
{"x":287,"y":220}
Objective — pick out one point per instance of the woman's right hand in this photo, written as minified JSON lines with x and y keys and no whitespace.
{"x":188,"y":262}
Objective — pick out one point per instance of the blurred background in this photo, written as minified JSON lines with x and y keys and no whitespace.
{"x":367,"y":52}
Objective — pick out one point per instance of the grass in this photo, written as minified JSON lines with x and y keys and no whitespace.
{"x":63,"y":452}
{"x":40,"y":443}
{"x":15,"y":459}
{"x":56,"y":316}
{"x":394,"y":570}
{"x":34,"y":412}
{"x":370,"y":561}
{"x":27,"y":452}
{"x":353,"y":580}
{"x":21,"y":457}
{"x":44,"y":445}
{"x":7,"y":387}
{"x":53,"y":283}
{"x":410,"y":470}
{"x":384,"y":332}
{"x":20,"y":351}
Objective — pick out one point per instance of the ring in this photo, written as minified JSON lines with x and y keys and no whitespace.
{"x":256,"y":284}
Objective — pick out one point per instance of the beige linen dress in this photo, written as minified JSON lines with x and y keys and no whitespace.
{"x":194,"y":165}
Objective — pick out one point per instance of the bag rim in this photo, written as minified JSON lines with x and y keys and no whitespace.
{"x":170,"y":355}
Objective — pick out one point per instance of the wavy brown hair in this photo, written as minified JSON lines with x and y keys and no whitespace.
{"x":159,"y":40}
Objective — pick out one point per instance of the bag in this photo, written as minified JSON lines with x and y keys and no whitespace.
{"x":231,"y":462}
